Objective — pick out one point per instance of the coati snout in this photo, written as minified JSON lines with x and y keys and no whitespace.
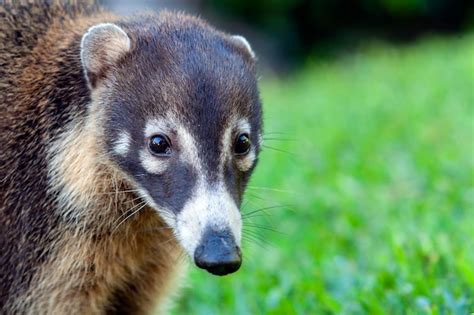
{"x":218,"y":252}
{"x":181,"y":118}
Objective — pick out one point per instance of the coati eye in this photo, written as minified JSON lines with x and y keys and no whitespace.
{"x":242,"y":144}
{"x":160,"y":145}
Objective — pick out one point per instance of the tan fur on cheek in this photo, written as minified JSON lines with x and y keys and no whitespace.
{"x":95,"y":255}
{"x":79,"y":168}
{"x":74,"y":172}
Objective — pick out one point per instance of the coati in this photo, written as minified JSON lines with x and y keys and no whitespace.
{"x":126,"y":143}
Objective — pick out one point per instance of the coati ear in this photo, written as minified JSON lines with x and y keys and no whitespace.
{"x":101,"y":47}
{"x":242,"y":42}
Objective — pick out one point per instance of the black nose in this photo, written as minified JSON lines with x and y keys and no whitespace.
{"x":218,"y":253}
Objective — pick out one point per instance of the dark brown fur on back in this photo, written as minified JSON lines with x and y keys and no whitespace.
{"x":48,"y":262}
{"x":32,"y":111}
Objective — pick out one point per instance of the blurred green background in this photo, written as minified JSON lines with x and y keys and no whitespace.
{"x":293,"y":29}
{"x":363,"y":199}
{"x":366,"y":186}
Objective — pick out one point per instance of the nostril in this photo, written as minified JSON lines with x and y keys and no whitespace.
{"x":218,"y":259}
{"x":218,"y":263}
{"x":221,"y":267}
{"x":200,"y":258}
{"x":225,"y":268}
{"x":218,"y":253}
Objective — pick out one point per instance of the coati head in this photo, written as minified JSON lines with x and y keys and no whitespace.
{"x":181,"y":117}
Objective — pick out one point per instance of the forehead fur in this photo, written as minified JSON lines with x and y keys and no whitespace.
{"x":179,"y":61}
{"x":180,"y":65}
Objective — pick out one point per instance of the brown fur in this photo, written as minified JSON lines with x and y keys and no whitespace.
{"x":64,"y":252}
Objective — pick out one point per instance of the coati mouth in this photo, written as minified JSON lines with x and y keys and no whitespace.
{"x":218,"y":253}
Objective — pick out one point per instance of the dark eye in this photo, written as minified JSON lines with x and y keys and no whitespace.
{"x":242,"y":144}
{"x":160,"y":145}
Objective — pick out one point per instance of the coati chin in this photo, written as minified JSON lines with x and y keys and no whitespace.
{"x":126,"y":143}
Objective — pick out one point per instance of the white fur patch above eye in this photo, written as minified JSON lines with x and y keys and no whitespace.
{"x":243,"y":126}
{"x":156,"y":126}
{"x":122,"y":144}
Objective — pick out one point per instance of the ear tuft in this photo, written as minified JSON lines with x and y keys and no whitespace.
{"x":101,"y":47}
{"x":242,"y":42}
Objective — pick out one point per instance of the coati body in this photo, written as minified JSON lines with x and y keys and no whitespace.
{"x":126,"y":144}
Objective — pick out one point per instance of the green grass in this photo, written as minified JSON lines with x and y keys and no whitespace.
{"x":380,"y":182}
